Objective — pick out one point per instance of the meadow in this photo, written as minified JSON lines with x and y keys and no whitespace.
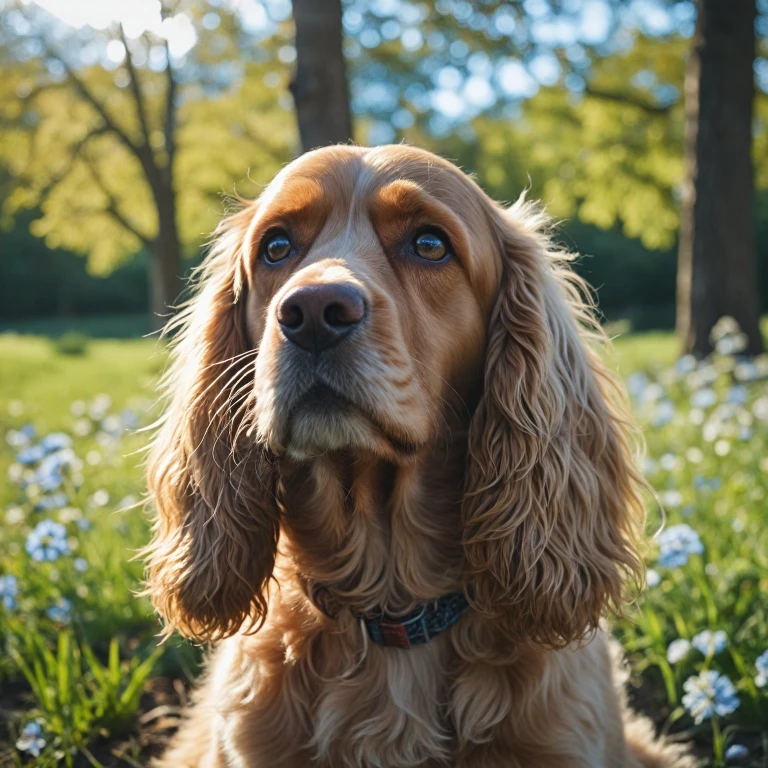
{"x":84,"y":682}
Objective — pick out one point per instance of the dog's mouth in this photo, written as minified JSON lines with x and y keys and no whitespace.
{"x":323,"y":409}
{"x":322,"y":397}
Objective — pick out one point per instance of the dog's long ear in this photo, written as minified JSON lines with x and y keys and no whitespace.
{"x":552,"y":511}
{"x":216,"y":534}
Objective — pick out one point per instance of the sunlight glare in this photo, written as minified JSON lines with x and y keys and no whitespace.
{"x":135,"y":15}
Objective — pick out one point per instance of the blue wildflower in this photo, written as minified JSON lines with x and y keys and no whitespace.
{"x":737,"y":394}
{"x":47,"y":541}
{"x":665,"y":412}
{"x":746,"y":371}
{"x":81,"y":564}
{"x":703,"y":398}
{"x":30,"y":455}
{"x":686,"y":364}
{"x":678,"y":650}
{"x":677,"y":543}
{"x":702,"y":483}
{"x":736,"y":752}
{"x":709,"y":693}
{"x":761,"y":663}
{"x":129,"y":418}
{"x":9,"y":588}
{"x":31,"y":739}
{"x":52,"y":501}
{"x":636,"y":384}
{"x":708,"y":642}
{"x":55,"y":441}
{"x":58,"y":461}
{"x":50,"y":481}
{"x":60,"y":612}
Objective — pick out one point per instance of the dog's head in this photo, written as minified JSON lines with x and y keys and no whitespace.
{"x":364,"y":298}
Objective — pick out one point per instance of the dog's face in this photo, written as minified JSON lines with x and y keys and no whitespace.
{"x":363,"y":301}
{"x":370,"y":276}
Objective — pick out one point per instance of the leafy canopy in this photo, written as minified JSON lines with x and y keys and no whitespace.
{"x":94,"y":122}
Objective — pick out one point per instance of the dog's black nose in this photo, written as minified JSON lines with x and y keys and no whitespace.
{"x":316,"y":316}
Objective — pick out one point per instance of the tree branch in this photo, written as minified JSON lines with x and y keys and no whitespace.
{"x":112,"y":206}
{"x":169,"y":123}
{"x":57,"y":178}
{"x":85,"y":92}
{"x":619,"y":97}
{"x":142,"y":152}
{"x":135,"y":87}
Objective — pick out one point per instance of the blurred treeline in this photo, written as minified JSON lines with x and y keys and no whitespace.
{"x":630,"y":281}
{"x":581,"y":101}
{"x":36,"y":281}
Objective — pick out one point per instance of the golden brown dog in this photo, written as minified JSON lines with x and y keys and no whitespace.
{"x":385,"y":428}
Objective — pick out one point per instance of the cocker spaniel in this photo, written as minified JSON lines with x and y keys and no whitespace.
{"x":394,"y":483}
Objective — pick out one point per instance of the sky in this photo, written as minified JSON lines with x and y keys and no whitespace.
{"x":138,"y":16}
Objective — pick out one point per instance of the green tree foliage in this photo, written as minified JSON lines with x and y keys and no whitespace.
{"x":124,"y":143}
{"x":519,"y":93}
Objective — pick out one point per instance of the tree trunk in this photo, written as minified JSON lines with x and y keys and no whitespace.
{"x":165,"y":272}
{"x":319,"y":86}
{"x":716,"y":266}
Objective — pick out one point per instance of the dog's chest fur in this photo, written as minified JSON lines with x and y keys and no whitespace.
{"x":388,"y":707}
{"x":292,"y":703}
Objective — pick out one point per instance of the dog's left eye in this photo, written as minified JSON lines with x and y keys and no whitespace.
{"x":430,"y":246}
{"x":277,"y":247}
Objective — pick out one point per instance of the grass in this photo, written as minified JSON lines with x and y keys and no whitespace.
{"x":96,"y":326}
{"x":83,"y":665}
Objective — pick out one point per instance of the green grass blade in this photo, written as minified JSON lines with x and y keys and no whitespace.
{"x":64,"y":666}
{"x":114,"y":663}
{"x":139,"y":676}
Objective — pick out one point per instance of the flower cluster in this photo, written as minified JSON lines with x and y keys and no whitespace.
{"x":709,"y":643}
{"x":709,"y":693}
{"x":9,"y":588}
{"x":761,"y":664}
{"x":706,"y":425}
{"x":676,"y":544}
{"x":48,"y":541}
{"x":31,"y":739}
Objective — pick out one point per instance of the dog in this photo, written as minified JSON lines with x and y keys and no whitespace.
{"x":394,"y":484}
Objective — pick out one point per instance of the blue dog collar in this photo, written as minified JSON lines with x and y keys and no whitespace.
{"x":416,"y":628}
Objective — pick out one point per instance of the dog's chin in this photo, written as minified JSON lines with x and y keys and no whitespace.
{"x":324,"y":421}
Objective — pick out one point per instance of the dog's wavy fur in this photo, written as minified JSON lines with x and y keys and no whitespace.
{"x":492,"y":454}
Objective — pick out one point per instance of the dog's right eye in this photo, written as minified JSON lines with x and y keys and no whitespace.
{"x":277,"y":247}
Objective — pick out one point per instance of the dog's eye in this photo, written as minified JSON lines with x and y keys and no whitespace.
{"x":430,"y":246}
{"x":277,"y":247}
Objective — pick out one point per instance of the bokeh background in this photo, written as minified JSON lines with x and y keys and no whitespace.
{"x":129,"y":127}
